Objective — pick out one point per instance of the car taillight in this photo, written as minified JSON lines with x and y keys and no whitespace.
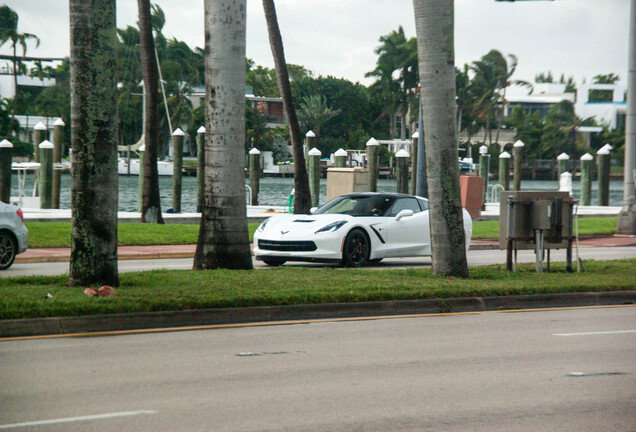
{"x":19,"y":212}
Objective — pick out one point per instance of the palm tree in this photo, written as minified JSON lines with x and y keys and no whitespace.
{"x":559,"y":132}
{"x":223,"y":237}
{"x":94,"y":168}
{"x":507,"y":69}
{"x":467,"y":109}
{"x":485,"y":85}
{"x":610,"y":78}
{"x":434,"y":26}
{"x":396,"y":54}
{"x":410,"y":82}
{"x":302,"y":197}
{"x":493,"y":76}
{"x":180,"y":106}
{"x":544,"y":77}
{"x":151,"y":201}
{"x":9,"y":32}
{"x":389,"y":90}
{"x":129,"y":106}
{"x":315,"y":112}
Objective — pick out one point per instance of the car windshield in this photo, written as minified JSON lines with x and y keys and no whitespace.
{"x":358,"y":205}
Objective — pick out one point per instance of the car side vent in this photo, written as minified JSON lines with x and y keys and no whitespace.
{"x":304,"y":221}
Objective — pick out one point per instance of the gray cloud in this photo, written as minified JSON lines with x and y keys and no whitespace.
{"x":580,"y":38}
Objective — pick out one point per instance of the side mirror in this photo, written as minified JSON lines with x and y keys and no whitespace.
{"x":404,"y":213}
{"x":312,"y":210}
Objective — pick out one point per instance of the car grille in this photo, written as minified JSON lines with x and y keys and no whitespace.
{"x":287,"y":246}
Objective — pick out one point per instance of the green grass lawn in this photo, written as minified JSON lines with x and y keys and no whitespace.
{"x":163,"y":290}
{"x":58,"y":234}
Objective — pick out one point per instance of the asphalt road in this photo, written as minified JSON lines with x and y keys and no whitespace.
{"x":475,"y":258}
{"x":566,"y":370}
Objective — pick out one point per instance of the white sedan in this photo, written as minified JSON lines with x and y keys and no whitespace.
{"x":352,"y":230}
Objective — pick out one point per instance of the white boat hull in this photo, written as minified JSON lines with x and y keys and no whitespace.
{"x":164,"y":168}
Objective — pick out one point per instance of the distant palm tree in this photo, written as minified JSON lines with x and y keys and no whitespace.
{"x":223,"y":238}
{"x":559,"y":132}
{"x":151,"y":201}
{"x":389,"y":90}
{"x":434,"y":26}
{"x":396,"y":54}
{"x":493,"y":75}
{"x":180,"y":105}
{"x":9,"y":32}
{"x":507,"y":69}
{"x":315,"y":113}
{"x":302,"y":197}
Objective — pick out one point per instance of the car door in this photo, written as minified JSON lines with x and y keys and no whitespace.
{"x":410,"y":235}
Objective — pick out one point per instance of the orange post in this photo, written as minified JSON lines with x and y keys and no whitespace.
{"x":472,"y":190}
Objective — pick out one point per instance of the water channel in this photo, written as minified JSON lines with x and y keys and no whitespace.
{"x":275,"y":191}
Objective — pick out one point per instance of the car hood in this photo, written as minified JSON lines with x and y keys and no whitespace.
{"x":290,"y":225}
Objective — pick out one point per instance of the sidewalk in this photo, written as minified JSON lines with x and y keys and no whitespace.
{"x":187,"y":251}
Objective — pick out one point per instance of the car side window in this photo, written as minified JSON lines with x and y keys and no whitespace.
{"x":374,"y":206}
{"x":423,"y":204}
{"x":405,"y":204}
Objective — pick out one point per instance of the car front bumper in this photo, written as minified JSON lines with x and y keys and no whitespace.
{"x":327,"y":249}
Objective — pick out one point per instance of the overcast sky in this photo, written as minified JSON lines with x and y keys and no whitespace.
{"x":580,"y":38}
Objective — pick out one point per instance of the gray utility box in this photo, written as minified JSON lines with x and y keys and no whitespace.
{"x":536,"y":220}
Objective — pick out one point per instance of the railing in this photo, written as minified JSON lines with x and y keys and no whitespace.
{"x":248,"y":198}
{"x":492,"y":194}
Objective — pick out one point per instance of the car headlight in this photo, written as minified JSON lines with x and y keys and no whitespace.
{"x":261,"y":227}
{"x":335,"y":226}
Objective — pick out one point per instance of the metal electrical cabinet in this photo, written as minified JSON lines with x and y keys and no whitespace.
{"x":536,"y":220}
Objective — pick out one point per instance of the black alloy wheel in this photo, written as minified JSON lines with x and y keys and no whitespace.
{"x":8,"y":250}
{"x":356,"y":249}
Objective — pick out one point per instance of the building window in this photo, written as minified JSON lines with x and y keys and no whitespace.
{"x":530,"y":108}
{"x":600,"y":95}
{"x":620,"y":121}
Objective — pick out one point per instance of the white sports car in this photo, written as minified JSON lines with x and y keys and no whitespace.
{"x":352,"y":230}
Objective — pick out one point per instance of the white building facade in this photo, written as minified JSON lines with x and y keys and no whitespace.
{"x":544,"y":95}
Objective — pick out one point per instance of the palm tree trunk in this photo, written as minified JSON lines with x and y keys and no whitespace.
{"x":434,"y":26}
{"x":403,"y":123}
{"x":94,"y":183}
{"x":500,"y":116}
{"x":317,"y":138}
{"x":391,"y":125}
{"x":15,"y":86}
{"x":223,"y":238}
{"x":302,"y":197}
{"x":151,"y":202}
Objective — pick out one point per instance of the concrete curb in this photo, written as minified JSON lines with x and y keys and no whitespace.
{"x":181,"y":320}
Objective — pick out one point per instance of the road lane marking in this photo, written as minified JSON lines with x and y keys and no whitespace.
{"x":76,"y":419}
{"x":594,"y":374}
{"x":595,"y":333}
